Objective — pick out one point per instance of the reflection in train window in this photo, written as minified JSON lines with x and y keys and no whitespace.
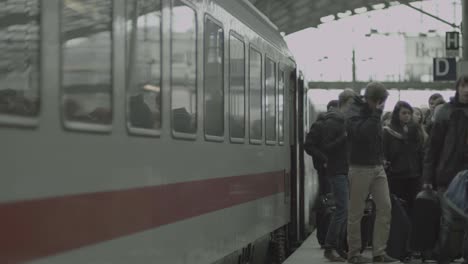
{"x":281,"y":106}
{"x":143,"y":49}
{"x":86,"y":61}
{"x":184,"y":70}
{"x":214,"y":77}
{"x":19,"y":58}
{"x":270,"y":102}
{"x":255,"y":95}
{"x":236,"y":87}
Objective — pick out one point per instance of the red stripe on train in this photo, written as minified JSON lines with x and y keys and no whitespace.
{"x":38,"y":228}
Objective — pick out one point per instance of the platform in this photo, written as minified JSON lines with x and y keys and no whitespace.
{"x":310,"y":253}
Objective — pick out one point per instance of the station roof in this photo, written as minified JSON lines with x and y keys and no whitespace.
{"x":294,"y":15}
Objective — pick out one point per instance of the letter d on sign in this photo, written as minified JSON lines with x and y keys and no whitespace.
{"x":445,"y":69}
{"x":442,"y":67}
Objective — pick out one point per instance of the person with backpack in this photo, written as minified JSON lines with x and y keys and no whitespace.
{"x":327,"y":141}
{"x":334,"y":146}
{"x":447,"y":155}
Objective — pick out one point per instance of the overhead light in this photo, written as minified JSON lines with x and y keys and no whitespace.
{"x":327,"y":18}
{"x":378,"y":6}
{"x":360,"y":10}
{"x":345,"y":14}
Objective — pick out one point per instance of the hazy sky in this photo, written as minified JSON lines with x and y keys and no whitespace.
{"x":379,"y":57}
{"x":335,"y":40}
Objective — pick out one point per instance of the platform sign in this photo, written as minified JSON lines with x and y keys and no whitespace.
{"x":452,"y":40}
{"x":445,"y":69}
{"x":452,"y":44}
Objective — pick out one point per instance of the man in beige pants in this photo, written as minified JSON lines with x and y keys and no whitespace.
{"x":366,"y":173}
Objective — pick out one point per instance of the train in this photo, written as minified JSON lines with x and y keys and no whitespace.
{"x":150,"y":131}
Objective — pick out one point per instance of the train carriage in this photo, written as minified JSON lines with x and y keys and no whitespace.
{"x":149,"y":131}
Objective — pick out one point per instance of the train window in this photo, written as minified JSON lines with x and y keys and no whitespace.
{"x":281,"y":79}
{"x":87,"y":64}
{"x":184,"y":69}
{"x":214,"y":79}
{"x":143,"y":66}
{"x":255,"y":96}
{"x":19,"y":60}
{"x":236,"y":87}
{"x":270,"y":102}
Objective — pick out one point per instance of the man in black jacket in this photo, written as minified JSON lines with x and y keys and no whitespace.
{"x":367,"y":174}
{"x":447,"y":154}
{"x":334,"y":147}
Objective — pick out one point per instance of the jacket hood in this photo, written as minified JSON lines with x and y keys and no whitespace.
{"x":356,"y":107}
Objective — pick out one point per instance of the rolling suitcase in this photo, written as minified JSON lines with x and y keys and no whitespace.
{"x":399,"y":230}
{"x":425,"y":221}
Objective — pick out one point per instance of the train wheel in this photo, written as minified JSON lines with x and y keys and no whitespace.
{"x":278,"y":246}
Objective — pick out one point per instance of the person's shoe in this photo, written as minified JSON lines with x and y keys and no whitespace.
{"x":384,"y":259}
{"x":359,"y":260}
{"x":333,"y":256}
{"x":342,"y":254}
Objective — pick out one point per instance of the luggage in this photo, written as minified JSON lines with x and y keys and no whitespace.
{"x":324,"y":214}
{"x":455,"y":239}
{"x":397,"y":245}
{"x":367,"y":227}
{"x":457,"y":194}
{"x":425,"y":221}
{"x":367,"y":224}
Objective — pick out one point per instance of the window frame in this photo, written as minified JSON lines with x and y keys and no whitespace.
{"x":76,"y":126}
{"x":138,"y":131}
{"x":255,"y":141}
{"x":31,"y":122}
{"x":275,"y":69}
{"x":237,"y":140}
{"x":214,"y":138}
{"x":283,"y":71}
{"x":177,"y":134}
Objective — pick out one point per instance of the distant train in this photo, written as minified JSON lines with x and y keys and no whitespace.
{"x":150,"y":131}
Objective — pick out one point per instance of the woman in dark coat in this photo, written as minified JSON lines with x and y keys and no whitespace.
{"x":403,"y":151}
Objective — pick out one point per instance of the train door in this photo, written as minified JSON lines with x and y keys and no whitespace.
{"x":296,"y":103}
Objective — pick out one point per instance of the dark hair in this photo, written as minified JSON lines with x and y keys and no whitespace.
{"x":376,"y":91}
{"x":345,"y":95}
{"x":435,"y":96}
{"x":461,"y":81}
{"x":396,"y":112}
{"x":332,"y":103}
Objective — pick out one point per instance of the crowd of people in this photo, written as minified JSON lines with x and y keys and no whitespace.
{"x":360,"y":152}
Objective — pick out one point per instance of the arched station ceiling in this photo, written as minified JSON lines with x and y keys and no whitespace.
{"x":293,"y":15}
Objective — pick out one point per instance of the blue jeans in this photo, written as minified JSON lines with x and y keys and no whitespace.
{"x":450,"y":220}
{"x":339,"y":186}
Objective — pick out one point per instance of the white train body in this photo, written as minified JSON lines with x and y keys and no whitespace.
{"x":85,"y":184}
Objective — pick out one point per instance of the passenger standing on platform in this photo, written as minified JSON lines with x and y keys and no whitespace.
{"x":403,"y":151}
{"x":435,"y":100}
{"x":366,"y":172}
{"x":335,"y":147}
{"x":418,"y":120}
{"x":313,"y":147}
{"x":447,"y":154}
